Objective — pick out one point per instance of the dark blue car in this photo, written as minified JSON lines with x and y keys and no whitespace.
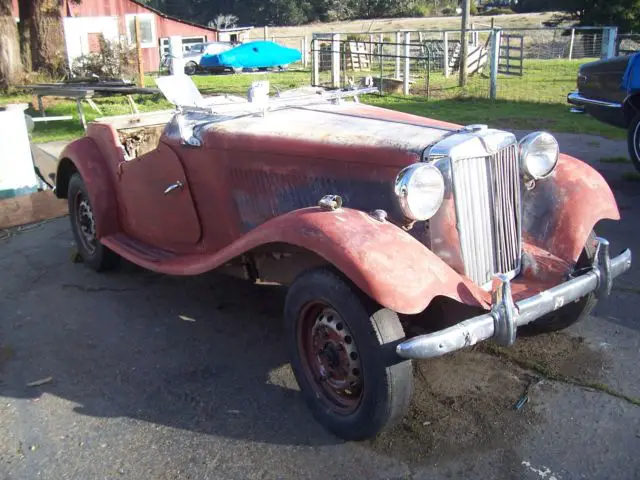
{"x":260,"y":55}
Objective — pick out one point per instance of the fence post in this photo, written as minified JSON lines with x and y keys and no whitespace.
{"x":398,"y":53}
{"x":407,"y":52}
{"x":573,"y":39}
{"x":266,"y":33}
{"x":303,"y":51}
{"x":609,"y":35}
{"x":445,"y":47}
{"x":335,"y":60}
{"x":315,"y":55}
{"x":495,"y":60}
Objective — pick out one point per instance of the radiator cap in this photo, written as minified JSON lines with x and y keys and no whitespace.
{"x":476,"y":127}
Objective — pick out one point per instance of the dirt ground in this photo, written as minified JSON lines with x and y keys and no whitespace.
{"x":139,"y":375}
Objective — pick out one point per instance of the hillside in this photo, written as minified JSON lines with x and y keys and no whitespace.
{"x":524,"y":20}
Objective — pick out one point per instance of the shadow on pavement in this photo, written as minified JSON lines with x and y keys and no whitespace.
{"x":203,"y":354}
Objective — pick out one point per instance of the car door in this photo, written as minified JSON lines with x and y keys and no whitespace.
{"x":156,"y":201}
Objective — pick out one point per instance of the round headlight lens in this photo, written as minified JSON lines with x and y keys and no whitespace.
{"x":420,"y":190}
{"x":539,"y":153}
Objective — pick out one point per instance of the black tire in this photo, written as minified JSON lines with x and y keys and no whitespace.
{"x":190,"y":68}
{"x":633,"y":141}
{"x":576,"y":311}
{"x":93,"y":253}
{"x":381,"y":393}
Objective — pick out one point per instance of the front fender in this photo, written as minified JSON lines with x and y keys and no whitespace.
{"x":87,"y":159}
{"x":384,"y":261}
{"x":561,"y":211}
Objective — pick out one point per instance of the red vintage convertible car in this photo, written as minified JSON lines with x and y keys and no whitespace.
{"x":400,"y":237}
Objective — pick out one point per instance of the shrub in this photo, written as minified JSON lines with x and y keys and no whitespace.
{"x":497,"y":11}
{"x":115,"y":60}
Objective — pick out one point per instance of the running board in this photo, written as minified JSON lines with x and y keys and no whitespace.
{"x":150,"y":257}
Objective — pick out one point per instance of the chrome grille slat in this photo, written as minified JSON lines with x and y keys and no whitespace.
{"x":487,"y":193}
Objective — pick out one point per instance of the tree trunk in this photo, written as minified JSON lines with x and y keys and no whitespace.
{"x":47,"y":37}
{"x":10,"y":65}
{"x":24,"y":30}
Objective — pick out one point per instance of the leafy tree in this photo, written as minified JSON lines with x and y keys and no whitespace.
{"x":625,"y":14}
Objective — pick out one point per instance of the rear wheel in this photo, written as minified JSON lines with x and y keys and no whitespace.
{"x":574,"y":312}
{"x":83,"y":225}
{"x":190,"y":68}
{"x":343,"y":356}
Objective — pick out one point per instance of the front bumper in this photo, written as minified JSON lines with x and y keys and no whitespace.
{"x":501,"y":323}
{"x":577,"y":99}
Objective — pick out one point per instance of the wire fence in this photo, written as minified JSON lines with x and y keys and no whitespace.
{"x":627,"y":44}
{"x":527,"y":65}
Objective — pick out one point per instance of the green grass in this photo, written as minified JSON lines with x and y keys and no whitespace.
{"x":512,"y":115}
{"x":615,"y":160}
{"x":535,"y":101}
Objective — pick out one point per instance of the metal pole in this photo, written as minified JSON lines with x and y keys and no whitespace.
{"x":140,"y":64}
{"x":609,"y":35}
{"x":573,"y":37}
{"x":381,"y":50}
{"x":464,"y":51}
{"x":445,"y":46}
{"x":495,"y":59}
{"x":305,"y":51}
{"x":407,"y":52}
{"x":335,"y":60}
{"x":428,"y":72}
{"x":266,"y":33}
{"x":315,"y":59}
{"x":398,"y":53}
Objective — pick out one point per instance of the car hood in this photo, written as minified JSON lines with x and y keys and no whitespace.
{"x":348,"y":124}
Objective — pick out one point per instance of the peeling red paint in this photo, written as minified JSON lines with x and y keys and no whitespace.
{"x":243,"y":190}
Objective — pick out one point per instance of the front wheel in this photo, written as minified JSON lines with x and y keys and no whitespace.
{"x":190,"y":68}
{"x":83,"y":225}
{"x":574,"y":312}
{"x":343,"y":356}
{"x":633,"y":142}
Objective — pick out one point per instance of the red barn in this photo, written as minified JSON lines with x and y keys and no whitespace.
{"x":115,"y":19}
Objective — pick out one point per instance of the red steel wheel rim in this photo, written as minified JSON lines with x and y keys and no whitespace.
{"x":330,"y":357}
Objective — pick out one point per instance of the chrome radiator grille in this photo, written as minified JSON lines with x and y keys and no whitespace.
{"x":487,"y":196}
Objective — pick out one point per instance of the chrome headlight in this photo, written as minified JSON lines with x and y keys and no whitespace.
{"x":420,"y":190}
{"x":539,"y":154}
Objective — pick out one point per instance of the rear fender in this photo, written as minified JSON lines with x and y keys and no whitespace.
{"x":561,"y":211}
{"x":89,"y":162}
{"x":385,"y":262}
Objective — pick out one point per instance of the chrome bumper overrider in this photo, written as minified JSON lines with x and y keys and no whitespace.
{"x":501,"y":323}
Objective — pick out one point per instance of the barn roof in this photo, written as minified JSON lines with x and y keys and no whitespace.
{"x":169,"y":17}
{"x":15,"y":8}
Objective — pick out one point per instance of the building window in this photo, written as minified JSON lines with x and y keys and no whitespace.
{"x":187,"y":42}
{"x":147,"y":29}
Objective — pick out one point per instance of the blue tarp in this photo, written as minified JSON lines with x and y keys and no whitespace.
{"x":631,"y":78}
{"x":252,"y":55}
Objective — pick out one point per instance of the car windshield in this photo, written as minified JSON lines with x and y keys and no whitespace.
{"x":214,"y":48}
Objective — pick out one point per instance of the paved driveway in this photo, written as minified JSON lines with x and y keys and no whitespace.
{"x":171,"y":378}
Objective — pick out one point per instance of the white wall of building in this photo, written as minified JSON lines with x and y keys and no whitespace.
{"x":77,"y":30}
